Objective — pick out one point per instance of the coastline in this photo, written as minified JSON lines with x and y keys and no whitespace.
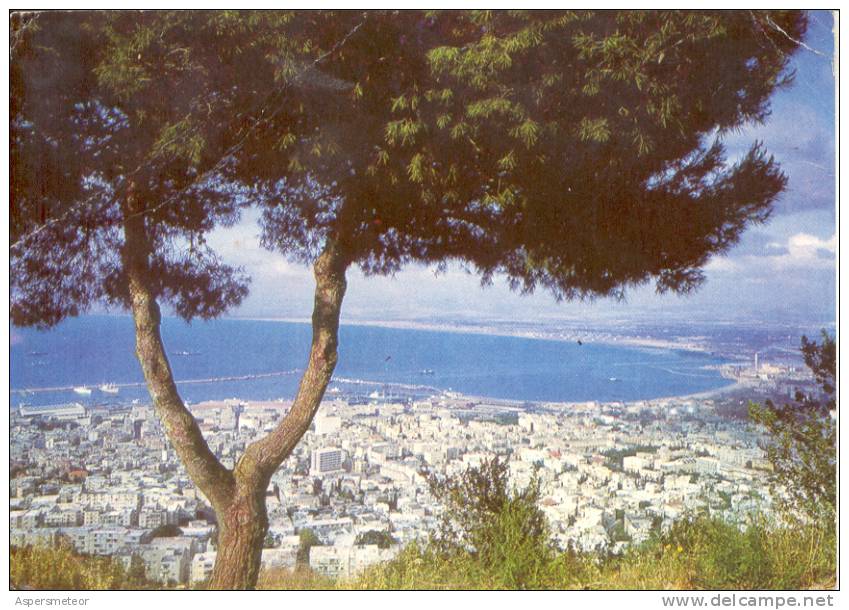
{"x":733,"y":386}
{"x":499,"y":331}
{"x":728,"y":384}
{"x":637,"y":342}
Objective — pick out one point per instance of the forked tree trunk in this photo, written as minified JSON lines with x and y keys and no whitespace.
{"x":237,"y":496}
{"x":244,"y":523}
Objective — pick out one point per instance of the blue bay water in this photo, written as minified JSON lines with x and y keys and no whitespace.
{"x":93,"y":350}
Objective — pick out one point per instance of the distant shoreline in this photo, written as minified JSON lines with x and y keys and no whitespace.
{"x":499,"y":332}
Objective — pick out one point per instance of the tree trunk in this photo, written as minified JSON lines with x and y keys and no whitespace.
{"x":238,"y":496}
{"x":242,"y":527}
{"x":244,"y":524}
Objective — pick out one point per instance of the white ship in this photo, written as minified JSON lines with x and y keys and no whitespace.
{"x":108,"y":388}
{"x":83,"y":390}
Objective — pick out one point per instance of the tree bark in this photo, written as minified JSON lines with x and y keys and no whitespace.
{"x":238,"y":496}
{"x":242,"y":527}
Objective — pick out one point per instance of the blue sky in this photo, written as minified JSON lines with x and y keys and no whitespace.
{"x":783,"y":269}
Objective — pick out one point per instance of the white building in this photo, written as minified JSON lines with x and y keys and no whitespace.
{"x":285,"y":556}
{"x":347,"y":561}
{"x":632,"y":463}
{"x":168,"y":559}
{"x":201,"y":568}
{"x":327,"y":424}
{"x":98,"y":540}
{"x":111,"y":500}
{"x":151,"y":518}
{"x":326,"y":461}
{"x":63,"y":518}
{"x":707,"y":465}
{"x":61,"y":412}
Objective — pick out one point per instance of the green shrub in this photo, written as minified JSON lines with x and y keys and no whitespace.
{"x":710,"y":553}
{"x":490,"y":532}
{"x":492,"y":537}
{"x":802,"y":440}
{"x":700,"y":553}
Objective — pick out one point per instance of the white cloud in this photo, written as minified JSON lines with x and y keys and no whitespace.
{"x":284,"y":289}
{"x":722,"y":264}
{"x":803,"y":246}
{"x":801,"y":251}
{"x":804,"y":252}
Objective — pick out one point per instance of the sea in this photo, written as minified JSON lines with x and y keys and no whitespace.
{"x":262,"y":360}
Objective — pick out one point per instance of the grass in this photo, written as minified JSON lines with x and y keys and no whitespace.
{"x":301,"y":578}
{"x":712,"y":554}
{"x":60,"y":567}
{"x":701,"y":553}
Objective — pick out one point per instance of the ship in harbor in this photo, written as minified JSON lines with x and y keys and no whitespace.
{"x":108,"y":388}
{"x":82,"y":390}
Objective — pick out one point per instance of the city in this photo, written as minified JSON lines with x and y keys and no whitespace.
{"x":106,"y":479}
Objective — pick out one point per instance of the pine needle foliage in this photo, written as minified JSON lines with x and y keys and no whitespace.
{"x":576,"y":151}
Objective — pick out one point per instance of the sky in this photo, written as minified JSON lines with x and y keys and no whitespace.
{"x":782,"y":270}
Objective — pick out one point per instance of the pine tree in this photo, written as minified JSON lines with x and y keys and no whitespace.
{"x":578,"y":152}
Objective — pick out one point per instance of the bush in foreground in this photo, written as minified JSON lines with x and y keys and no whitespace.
{"x":492,"y":536}
{"x":802,"y":439}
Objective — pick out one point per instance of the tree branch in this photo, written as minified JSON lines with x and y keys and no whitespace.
{"x":223,"y":158}
{"x":264,"y":456}
{"x":212,"y":478}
